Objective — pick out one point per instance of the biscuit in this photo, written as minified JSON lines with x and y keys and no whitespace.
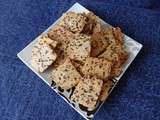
{"x":97,"y":67}
{"x":98,"y":44}
{"x":79,"y":48}
{"x":107,"y":85}
{"x":42,"y":56}
{"x":87,"y":92}
{"x":60,"y":34}
{"x":63,"y":37}
{"x":110,"y":54}
{"x":66,"y":75}
{"x":117,"y":55}
{"x":74,"y":22}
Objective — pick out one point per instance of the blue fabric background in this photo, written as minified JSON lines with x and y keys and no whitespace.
{"x":23,"y":96}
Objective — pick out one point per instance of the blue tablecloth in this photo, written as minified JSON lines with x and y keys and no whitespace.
{"x":23,"y":96}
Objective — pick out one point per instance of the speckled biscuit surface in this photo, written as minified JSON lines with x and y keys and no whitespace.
{"x":66,"y":75}
{"x":79,"y":48}
{"x":42,"y":56}
{"x":115,"y":52}
{"x":74,"y":22}
{"x":62,"y":36}
{"x":87,"y":91}
{"x":98,"y":43}
{"x":117,"y":55}
{"x":97,"y":67}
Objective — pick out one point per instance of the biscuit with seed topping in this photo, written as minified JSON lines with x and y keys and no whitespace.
{"x":100,"y":68}
{"x":42,"y":56}
{"x":87,"y":92}
{"x":63,"y":37}
{"x":117,"y":55}
{"x":79,"y":48}
{"x":72,"y":21}
{"x":66,"y":75}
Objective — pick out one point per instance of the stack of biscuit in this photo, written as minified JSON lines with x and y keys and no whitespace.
{"x":83,"y":55}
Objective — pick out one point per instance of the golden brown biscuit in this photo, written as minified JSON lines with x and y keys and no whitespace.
{"x":63,"y":37}
{"x":72,"y":21}
{"x":42,"y":56}
{"x":79,"y":48}
{"x":66,"y":75}
{"x":87,"y":91}
{"x":117,"y":55}
{"x":60,"y":34}
{"x":97,"y":67}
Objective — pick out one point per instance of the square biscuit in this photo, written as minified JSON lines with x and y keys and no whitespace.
{"x":42,"y":56}
{"x":63,"y":37}
{"x":72,"y":21}
{"x":79,"y":48}
{"x":87,"y":92}
{"x":66,"y":75}
{"x":97,"y":67}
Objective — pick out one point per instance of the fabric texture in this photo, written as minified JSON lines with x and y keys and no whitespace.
{"x":24,"y":96}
